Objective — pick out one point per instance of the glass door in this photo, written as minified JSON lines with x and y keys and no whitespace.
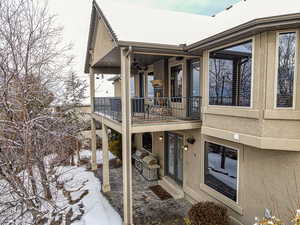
{"x":174,"y":157}
{"x":194,"y":93}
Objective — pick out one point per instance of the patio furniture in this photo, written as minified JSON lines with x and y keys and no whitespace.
{"x":146,"y":164}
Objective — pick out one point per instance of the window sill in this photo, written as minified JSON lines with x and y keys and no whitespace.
{"x":219,"y":197}
{"x":234,"y":111}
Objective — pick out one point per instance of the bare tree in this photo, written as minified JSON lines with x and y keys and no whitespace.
{"x":33,"y":62}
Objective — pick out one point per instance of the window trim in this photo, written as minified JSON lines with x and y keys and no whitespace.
{"x":235,"y":205}
{"x":252,"y":39}
{"x":182,"y":64}
{"x":295,"y":70}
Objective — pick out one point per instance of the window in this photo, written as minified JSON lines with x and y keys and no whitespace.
{"x":176,"y":83}
{"x":149,"y":85}
{"x":147,"y":141}
{"x":221,"y":165}
{"x":230,"y":75}
{"x":286,"y":69}
{"x":195,"y":79}
{"x":132,"y":87}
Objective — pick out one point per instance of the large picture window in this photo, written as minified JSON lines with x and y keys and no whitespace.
{"x":286,"y":69}
{"x":176,"y":83}
{"x":230,"y":75}
{"x":221,"y":169}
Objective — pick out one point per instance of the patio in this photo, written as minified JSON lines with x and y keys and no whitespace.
{"x":148,"y":209}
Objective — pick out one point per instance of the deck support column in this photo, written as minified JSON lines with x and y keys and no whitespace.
{"x":126,"y":136}
{"x":105,"y":158}
{"x":93,"y":122}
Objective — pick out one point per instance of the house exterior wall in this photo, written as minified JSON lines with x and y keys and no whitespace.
{"x":267,"y":176}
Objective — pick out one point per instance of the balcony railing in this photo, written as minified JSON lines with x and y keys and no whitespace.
{"x":151,"y":108}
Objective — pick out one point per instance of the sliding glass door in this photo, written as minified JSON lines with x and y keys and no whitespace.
{"x":174,"y":157}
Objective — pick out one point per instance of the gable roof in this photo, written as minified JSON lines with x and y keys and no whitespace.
{"x":139,"y":24}
{"x":131,"y":23}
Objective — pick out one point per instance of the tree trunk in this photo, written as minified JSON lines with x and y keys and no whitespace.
{"x":44,"y":179}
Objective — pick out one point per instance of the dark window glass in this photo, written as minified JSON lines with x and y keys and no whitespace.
{"x":221,"y":169}
{"x":230,"y":72}
{"x":286,"y":69}
{"x":174,"y":157}
{"x":195,"y":79}
{"x":132,"y":87}
{"x":147,"y":141}
{"x":149,"y":85}
{"x":176,"y":83}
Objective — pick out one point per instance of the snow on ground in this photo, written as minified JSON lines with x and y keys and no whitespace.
{"x":97,"y":210}
{"x":86,"y":154}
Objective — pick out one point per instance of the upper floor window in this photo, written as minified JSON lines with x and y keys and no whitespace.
{"x":132,"y":87}
{"x":150,"y":88}
{"x":230,"y":75}
{"x":195,"y":79}
{"x":286,"y":69}
{"x":176,"y":83}
{"x":221,"y":169}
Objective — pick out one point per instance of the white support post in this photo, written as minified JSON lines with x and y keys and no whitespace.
{"x":126,"y":137}
{"x":93,"y":122}
{"x":106,"y":184}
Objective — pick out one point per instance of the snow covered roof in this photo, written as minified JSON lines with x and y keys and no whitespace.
{"x":139,"y":24}
{"x":248,"y":10}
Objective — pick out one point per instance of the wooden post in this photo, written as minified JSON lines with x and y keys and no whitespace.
{"x":105,"y":163}
{"x":93,"y":122}
{"x":126,"y":136}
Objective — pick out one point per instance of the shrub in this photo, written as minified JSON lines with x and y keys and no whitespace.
{"x":208,"y":213}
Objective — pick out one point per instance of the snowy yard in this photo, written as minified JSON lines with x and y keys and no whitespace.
{"x":97,"y":210}
{"x":77,"y":194}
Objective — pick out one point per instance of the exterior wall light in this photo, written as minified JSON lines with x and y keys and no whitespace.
{"x":185,"y":148}
{"x":190,"y":140}
{"x":161,"y":138}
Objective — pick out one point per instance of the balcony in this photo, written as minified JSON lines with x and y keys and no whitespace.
{"x":151,"y":109}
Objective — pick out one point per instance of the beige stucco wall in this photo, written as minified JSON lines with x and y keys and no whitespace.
{"x":103,"y":42}
{"x":267,"y":178}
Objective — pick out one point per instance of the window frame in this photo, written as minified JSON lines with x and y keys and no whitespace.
{"x":277,"y":67}
{"x":251,"y":39}
{"x":182,"y":64}
{"x":235,"y":205}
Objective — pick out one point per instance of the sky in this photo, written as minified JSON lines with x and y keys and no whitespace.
{"x":74,"y":16}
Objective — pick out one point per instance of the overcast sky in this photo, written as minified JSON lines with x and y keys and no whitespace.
{"x":74,"y":15}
